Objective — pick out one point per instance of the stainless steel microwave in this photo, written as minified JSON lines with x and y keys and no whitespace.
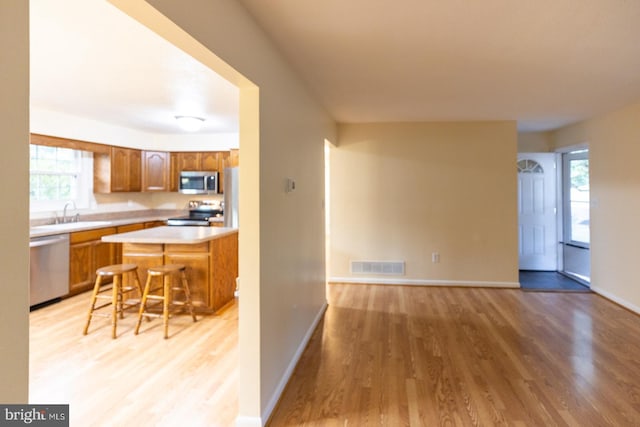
{"x":198,"y":182}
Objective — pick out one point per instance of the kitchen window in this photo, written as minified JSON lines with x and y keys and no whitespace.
{"x":58,"y":176}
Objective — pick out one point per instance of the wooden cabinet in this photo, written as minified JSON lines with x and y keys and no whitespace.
{"x":155,"y":171}
{"x":86,"y":254}
{"x":234,"y":158}
{"x":124,"y":229}
{"x":151,"y":224}
{"x":189,"y":161}
{"x":201,"y":161}
{"x":174,"y":172}
{"x":197,"y":260}
{"x":212,"y":267}
{"x":210,"y":161}
{"x":119,"y":170}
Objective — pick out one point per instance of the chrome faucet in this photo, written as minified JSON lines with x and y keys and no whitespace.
{"x":64,"y":213}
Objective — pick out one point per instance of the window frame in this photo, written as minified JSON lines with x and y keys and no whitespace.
{"x":567,"y":158}
{"x":83,"y":174}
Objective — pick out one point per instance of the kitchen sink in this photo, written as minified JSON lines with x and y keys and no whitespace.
{"x":69,"y":226}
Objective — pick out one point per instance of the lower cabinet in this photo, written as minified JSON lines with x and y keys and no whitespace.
{"x":212,"y":267}
{"x":196,"y":259}
{"x":87,"y":252}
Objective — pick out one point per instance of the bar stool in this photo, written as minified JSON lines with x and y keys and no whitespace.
{"x":118,"y":291}
{"x":167,"y":273}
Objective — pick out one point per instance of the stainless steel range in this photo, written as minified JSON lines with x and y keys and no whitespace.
{"x":201,"y":213}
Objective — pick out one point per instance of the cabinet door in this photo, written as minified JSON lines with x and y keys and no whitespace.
{"x":223,"y":162}
{"x":144,"y":256}
{"x":210,"y":161}
{"x":197,"y":275}
{"x":119,"y":169}
{"x":189,"y":161}
{"x":103,"y":254}
{"x":234,"y":158}
{"x":135,"y":170}
{"x":125,"y":169}
{"x":155,"y":171}
{"x":174,"y":172}
{"x":81,"y":270}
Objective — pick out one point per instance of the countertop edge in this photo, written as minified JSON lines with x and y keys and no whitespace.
{"x":108,"y":224}
{"x":142,"y":237}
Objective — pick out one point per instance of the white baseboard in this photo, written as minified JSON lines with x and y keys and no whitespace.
{"x":292,"y":365}
{"x":419,"y":282}
{"x":616,"y":299}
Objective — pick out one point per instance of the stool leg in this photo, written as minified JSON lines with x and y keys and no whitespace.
{"x":165,"y":304}
{"x":136,"y":278}
{"x":121,"y":298}
{"x":114,"y":304}
{"x":187,"y":294}
{"x":143,"y":303}
{"x":94,"y":295}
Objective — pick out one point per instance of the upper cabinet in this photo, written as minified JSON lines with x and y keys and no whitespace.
{"x":188,"y":161}
{"x":234,"y":158}
{"x":155,"y":171}
{"x":200,"y":161}
{"x":119,"y":170}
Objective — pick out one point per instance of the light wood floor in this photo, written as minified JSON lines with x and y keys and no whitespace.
{"x":419,"y":356}
{"x":144,"y":380}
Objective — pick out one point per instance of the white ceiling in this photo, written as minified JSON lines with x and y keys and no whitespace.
{"x":544,"y":63}
{"x":91,"y":60}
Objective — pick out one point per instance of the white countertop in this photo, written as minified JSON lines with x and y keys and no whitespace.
{"x":169,"y":234}
{"x":72,"y":227}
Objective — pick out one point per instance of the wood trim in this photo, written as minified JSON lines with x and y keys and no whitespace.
{"x":76,"y":144}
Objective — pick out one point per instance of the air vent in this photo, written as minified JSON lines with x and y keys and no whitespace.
{"x":378,"y":267}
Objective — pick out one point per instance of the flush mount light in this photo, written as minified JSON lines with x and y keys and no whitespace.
{"x":190,"y":123}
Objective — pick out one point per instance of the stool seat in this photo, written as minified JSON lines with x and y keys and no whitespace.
{"x":113,"y":293}
{"x":163,"y":293}
{"x":161,"y":270}
{"x":112,"y":270}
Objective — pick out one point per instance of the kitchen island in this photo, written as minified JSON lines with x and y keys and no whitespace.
{"x":209,"y":253}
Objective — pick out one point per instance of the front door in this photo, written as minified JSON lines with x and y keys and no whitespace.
{"x":537,"y":211}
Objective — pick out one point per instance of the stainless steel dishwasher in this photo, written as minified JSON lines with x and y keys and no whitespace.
{"x":49,"y":268}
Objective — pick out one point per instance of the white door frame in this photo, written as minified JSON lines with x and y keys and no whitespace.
{"x":560,"y":204}
{"x":537,"y":207}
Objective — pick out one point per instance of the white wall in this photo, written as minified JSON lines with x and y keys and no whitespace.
{"x":534,"y":142}
{"x":14,"y":215}
{"x":403,"y":191}
{"x":64,"y":125}
{"x":282,"y":135}
{"x":614,"y":150}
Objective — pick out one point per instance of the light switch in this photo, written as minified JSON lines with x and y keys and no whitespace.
{"x":291,"y":185}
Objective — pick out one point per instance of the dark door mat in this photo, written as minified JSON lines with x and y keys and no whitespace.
{"x":549,"y":281}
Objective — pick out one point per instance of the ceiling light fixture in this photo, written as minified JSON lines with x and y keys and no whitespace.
{"x":190,"y":123}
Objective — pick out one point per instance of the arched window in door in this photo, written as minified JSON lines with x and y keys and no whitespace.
{"x":529,"y":166}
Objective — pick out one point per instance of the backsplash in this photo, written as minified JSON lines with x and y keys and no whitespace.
{"x":141,"y":213}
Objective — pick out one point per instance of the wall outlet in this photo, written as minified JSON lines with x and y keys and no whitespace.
{"x":435,"y":257}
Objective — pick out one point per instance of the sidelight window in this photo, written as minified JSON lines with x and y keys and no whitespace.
{"x":576,"y":188}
